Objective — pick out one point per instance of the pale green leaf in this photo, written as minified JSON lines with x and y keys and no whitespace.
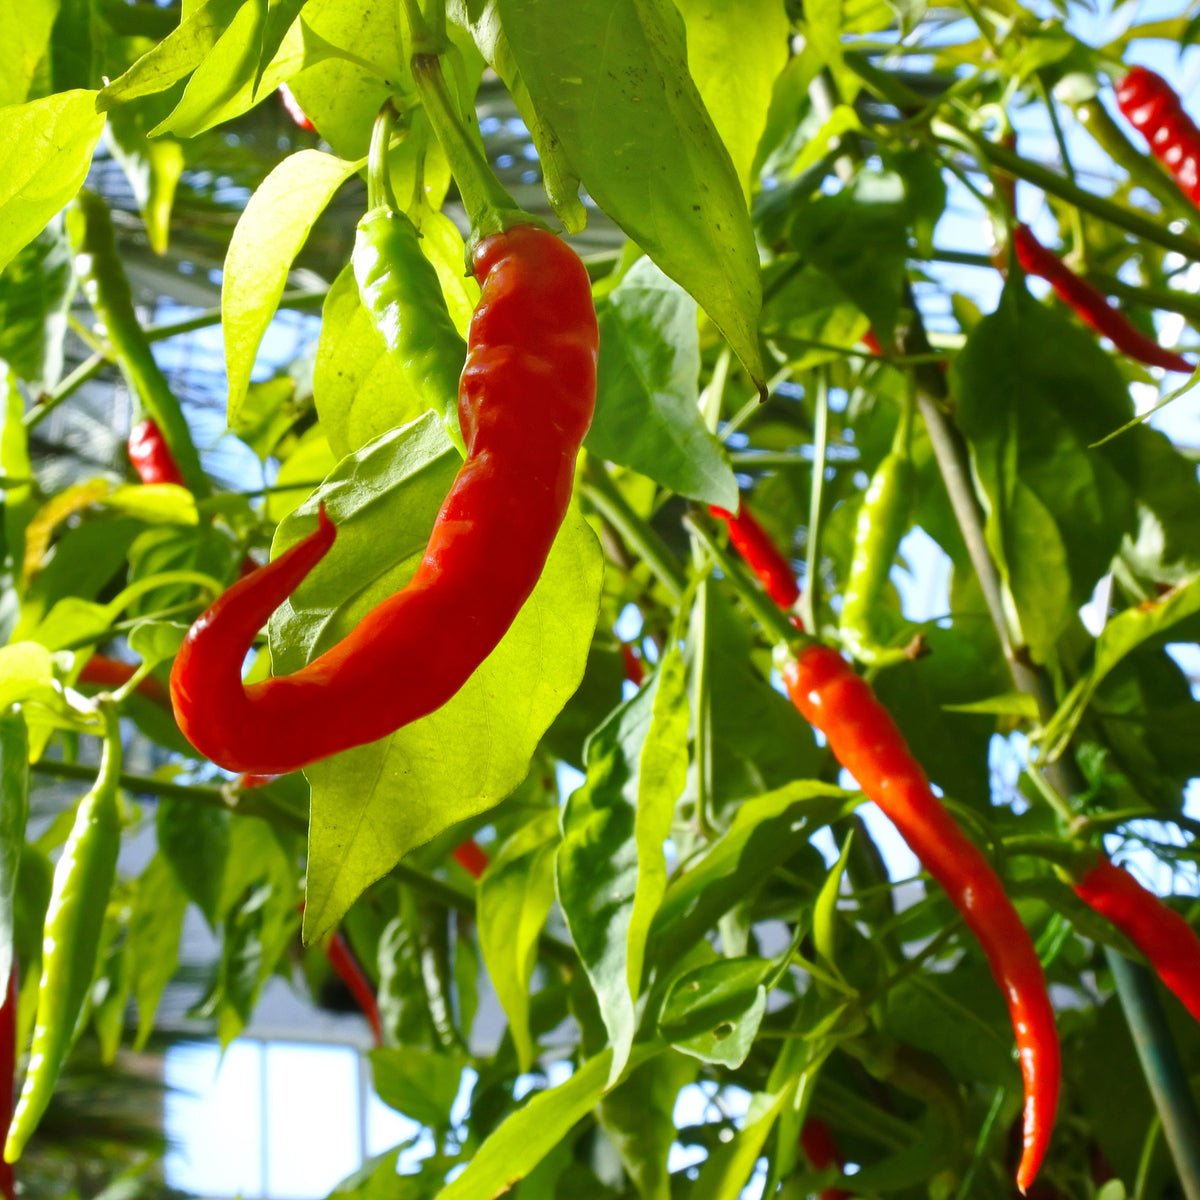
{"x":24,"y":41}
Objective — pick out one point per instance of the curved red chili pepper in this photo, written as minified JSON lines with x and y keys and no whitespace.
{"x":817,"y":1142}
{"x":1092,"y":305}
{"x":525,"y":402}
{"x":341,"y":959}
{"x":1169,"y":943}
{"x":865,"y":740}
{"x":1149,"y":103}
{"x":762,"y":556}
{"x":8,"y":1069}
{"x":151,"y":456}
{"x":110,"y":673}
{"x":471,"y":857}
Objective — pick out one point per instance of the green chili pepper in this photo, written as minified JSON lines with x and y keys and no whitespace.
{"x":400,"y":289}
{"x":99,"y":268}
{"x":83,"y":880}
{"x":882,"y":522}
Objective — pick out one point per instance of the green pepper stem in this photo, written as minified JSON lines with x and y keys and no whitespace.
{"x":490,"y":208}
{"x":108,"y":777}
{"x":379,"y":182}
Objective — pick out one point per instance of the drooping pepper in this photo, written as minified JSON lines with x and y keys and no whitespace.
{"x":99,"y":268}
{"x":865,"y":740}
{"x":8,"y":1072}
{"x":471,"y":857}
{"x":151,"y":456}
{"x":882,"y":522}
{"x":292,"y":107}
{"x":1170,"y":944}
{"x":1091,"y":305}
{"x":110,"y":673}
{"x":525,"y":403}
{"x":763,"y":557}
{"x":83,"y":879}
{"x":1149,"y":103}
{"x":817,"y":1142}
{"x":345,"y":965}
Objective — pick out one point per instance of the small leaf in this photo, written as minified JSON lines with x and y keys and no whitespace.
{"x":713,"y":1012}
{"x":194,"y":839}
{"x":825,"y":914}
{"x":421,"y":1084}
{"x":269,"y":234}
{"x":45,"y":148}
{"x":155,"y":503}
{"x":647,"y":416}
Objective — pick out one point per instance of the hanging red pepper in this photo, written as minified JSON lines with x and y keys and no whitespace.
{"x":525,"y":402}
{"x":8,"y":1071}
{"x":151,"y":456}
{"x":1091,"y":305}
{"x":471,"y":857}
{"x":635,"y":672}
{"x":1169,"y":943}
{"x":763,"y":557}
{"x":345,"y":965}
{"x":865,"y":740}
{"x":1149,"y":103}
{"x":111,"y":673}
{"x":816,"y":1140}
{"x":292,"y":108}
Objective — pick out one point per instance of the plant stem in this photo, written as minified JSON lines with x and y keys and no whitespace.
{"x":810,"y":602}
{"x":606,"y":498}
{"x":1164,"y":1072}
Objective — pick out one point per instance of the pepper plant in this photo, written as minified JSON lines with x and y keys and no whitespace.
{"x":787,"y":704}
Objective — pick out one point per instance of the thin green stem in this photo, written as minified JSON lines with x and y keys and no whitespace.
{"x":379,"y":181}
{"x":603,"y":494}
{"x":810,"y":601}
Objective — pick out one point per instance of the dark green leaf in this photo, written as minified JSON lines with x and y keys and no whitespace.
{"x":194,"y":839}
{"x":421,"y":1084}
{"x":154,"y":930}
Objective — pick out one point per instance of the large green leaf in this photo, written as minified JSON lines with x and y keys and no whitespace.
{"x":610,"y":78}
{"x":373,"y":804}
{"x":35,"y":293}
{"x":515,"y":897}
{"x":1034,"y":392}
{"x":273,"y":227}
{"x":647,"y":416}
{"x":611,"y":868}
{"x":45,"y":149}
{"x":24,"y":40}
{"x":421,"y":1084}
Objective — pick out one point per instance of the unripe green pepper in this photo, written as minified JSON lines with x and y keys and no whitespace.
{"x":882,"y":522}
{"x":83,"y":880}
{"x":400,"y":289}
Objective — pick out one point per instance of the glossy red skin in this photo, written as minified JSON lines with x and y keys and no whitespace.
{"x":341,"y":959}
{"x":1091,"y":305}
{"x":8,"y":1068}
{"x":292,"y":107}
{"x":1169,"y":943}
{"x":816,"y":1140}
{"x":762,"y":556}
{"x":150,"y":455}
{"x":471,"y":858}
{"x":111,"y":673}
{"x":1149,"y":103}
{"x":865,"y":740}
{"x":525,"y":403}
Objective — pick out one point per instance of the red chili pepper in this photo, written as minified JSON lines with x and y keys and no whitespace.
{"x":865,"y":740}
{"x":151,"y":456}
{"x":293,"y":109}
{"x":341,"y":959}
{"x":635,"y":672}
{"x":1169,"y":943}
{"x":110,"y":673}
{"x":763,"y":557}
{"x":816,"y":1140}
{"x":471,"y":858}
{"x":1149,"y":103}
{"x":525,"y":402}
{"x":1091,"y":305}
{"x":871,"y":342}
{"x":8,"y":1068}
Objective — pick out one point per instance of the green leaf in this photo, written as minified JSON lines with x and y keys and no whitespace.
{"x":364,"y":817}
{"x":45,"y":149}
{"x":526,"y":1137}
{"x":14,"y":811}
{"x":637,"y":1117}
{"x":360,"y":392}
{"x":194,"y":839}
{"x":735,"y":51}
{"x":825,"y":910}
{"x":27,"y":673}
{"x":647,"y":415}
{"x":515,"y":897}
{"x":273,"y":227}
{"x":35,"y":292}
{"x":729,"y":1166}
{"x":610,"y":78}
{"x":24,"y":42}
{"x":809,"y":312}
{"x":713,"y":1012}
{"x":155,"y":503}
{"x":611,"y":869}
{"x":1034,"y":392}
{"x":176,"y":56}
{"x":421,"y":1084}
